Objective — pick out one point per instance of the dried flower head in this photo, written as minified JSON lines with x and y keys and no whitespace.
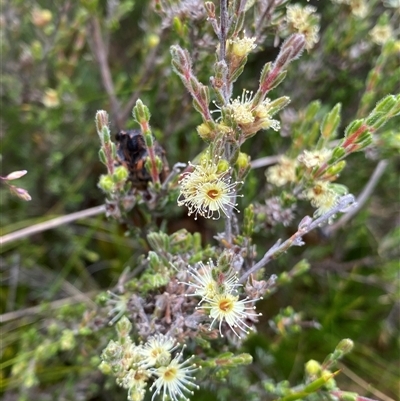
{"x":283,"y":172}
{"x":174,"y":379}
{"x":206,"y":191}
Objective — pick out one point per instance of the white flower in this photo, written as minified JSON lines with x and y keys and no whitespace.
{"x":174,"y":379}
{"x":228,"y":308}
{"x":208,"y":282}
{"x":157,"y":351}
{"x":206,"y":192}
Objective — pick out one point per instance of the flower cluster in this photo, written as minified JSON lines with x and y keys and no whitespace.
{"x":359,"y":8}
{"x":251,"y":118}
{"x":304,"y":20}
{"x":135,"y":365}
{"x":207,"y":190}
{"x":283,"y":172}
{"x":380,"y":34}
{"x":220,"y":298}
{"x":314,"y":158}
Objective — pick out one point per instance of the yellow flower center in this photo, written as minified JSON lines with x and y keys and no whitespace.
{"x":225,"y":305}
{"x":213,"y":193}
{"x":170,"y":374}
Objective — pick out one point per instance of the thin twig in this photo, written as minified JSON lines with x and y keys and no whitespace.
{"x":362,"y":198}
{"x":53,"y":223}
{"x":100,"y":50}
{"x":362,"y":383}
{"x":305,"y":226}
{"x":265,"y":161}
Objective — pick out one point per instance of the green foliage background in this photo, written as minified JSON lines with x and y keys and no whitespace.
{"x":352,"y":289}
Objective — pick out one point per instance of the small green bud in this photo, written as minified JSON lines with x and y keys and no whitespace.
{"x":106,"y":135}
{"x":353,"y":127}
{"x":105,"y":368}
{"x":278,"y":104}
{"x":141,"y":112}
{"x":337,"y":153}
{"x":102,"y":156}
{"x":154,"y":260}
{"x":113,"y":150}
{"x":113,"y":352}
{"x":284,"y":278}
{"x":124,"y":326}
{"x":336,"y":169}
{"x":223,"y":166}
{"x":385,"y":105}
{"x":243,"y":161}
{"x":242,"y":359}
{"x":313,"y":368}
{"x":265,"y":71}
{"x":120,"y":174}
{"x":101,"y":121}
{"x":159,"y":241}
{"x":331,"y":122}
{"x":106,"y":184}
{"x":312,"y":110}
{"x":153,"y":40}
{"x":204,"y":131}
{"x":345,"y":346}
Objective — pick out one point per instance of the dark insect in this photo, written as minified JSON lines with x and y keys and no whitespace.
{"x":132,"y":153}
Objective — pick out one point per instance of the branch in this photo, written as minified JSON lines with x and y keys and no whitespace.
{"x":362,"y":198}
{"x":53,"y":223}
{"x":306,"y":225}
{"x":100,"y":51}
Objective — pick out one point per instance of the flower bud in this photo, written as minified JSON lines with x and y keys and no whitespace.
{"x":124,"y":326}
{"x":15,"y":175}
{"x":120,"y":174}
{"x":313,"y":368}
{"x":106,"y":184}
